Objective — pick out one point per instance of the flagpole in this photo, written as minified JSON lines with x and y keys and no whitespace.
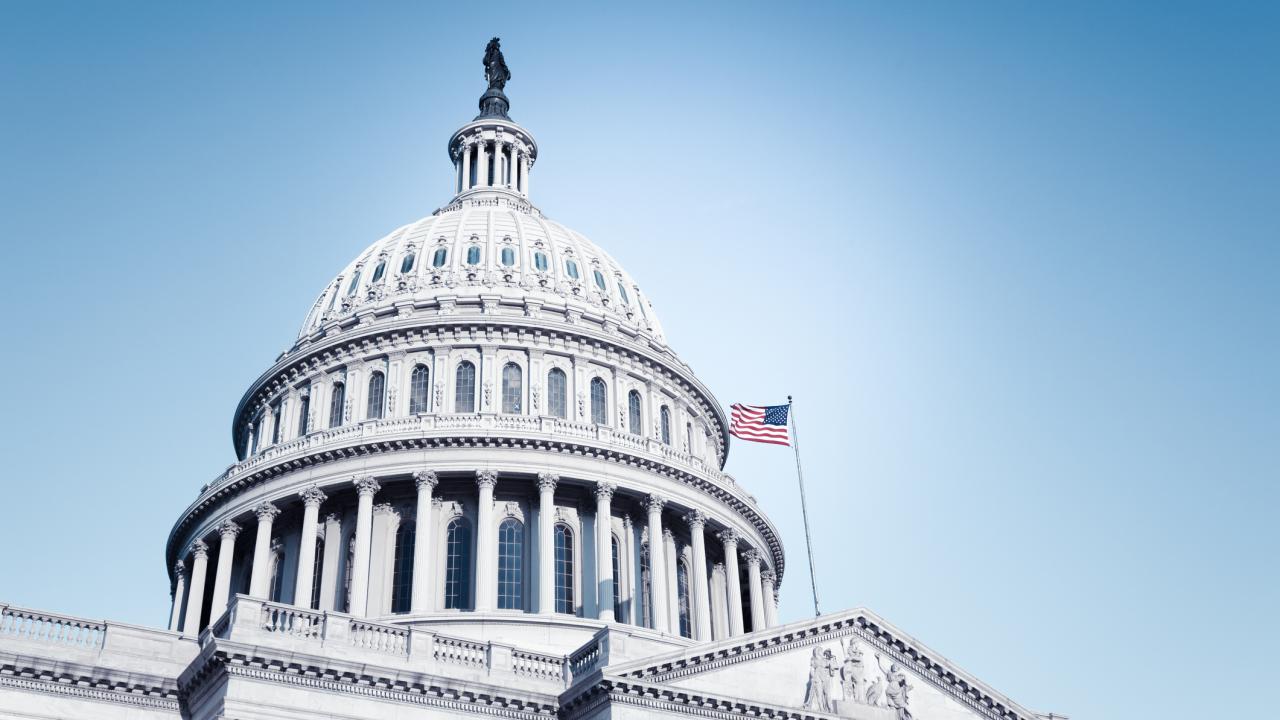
{"x":804,"y":506}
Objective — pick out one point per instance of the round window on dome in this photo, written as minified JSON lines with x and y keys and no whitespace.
{"x":439,"y":258}
{"x":407,"y":264}
{"x":508,"y":256}
{"x":540,"y":261}
{"x":600,"y":280}
{"x":378,"y":271}
{"x":571,"y":267}
{"x":473,"y":255}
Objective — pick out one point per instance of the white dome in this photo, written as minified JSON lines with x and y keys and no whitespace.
{"x":485,"y":249}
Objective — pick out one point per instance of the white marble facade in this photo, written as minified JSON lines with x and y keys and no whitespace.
{"x":479,"y":482}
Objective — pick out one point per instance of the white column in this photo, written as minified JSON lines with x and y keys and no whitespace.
{"x":701,"y":599}
{"x":260,"y":576}
{"x":311,"y":499}
{"x":486,"y":543}
{"x":752,"y":556}
{"x":604,"y":551}
{"x":222,"y":578}
{"x":466,"y":170}
{"x":733,"y":587}
{"x":657,"y":565}
{"x":366,"y":488}
{"x":515,"y":168}
{"x":768,"y":588}
{"x":719,"y":613}
{"x":546,"y":542}
{"x":421,"y":602}
{"x":673,"y":583}
{"x":482,"y":166}
{"x":179,"y":595}
{"x":333,"y":552}
{"x":628,"y":579}
{"x":195,"y":592}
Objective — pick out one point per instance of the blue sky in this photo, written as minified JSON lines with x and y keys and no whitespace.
{"x":1017,"y":262}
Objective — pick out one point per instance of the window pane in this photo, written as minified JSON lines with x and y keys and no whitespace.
{"x":473,"y":255}
{"x":599,"y":402}
{"x":557,"y":395}
{"x":438,"y":259}
{"x":511,"y":565}
{"x":402,"y":568}
{"x":407,"y":264}
{"x":540,"y":261}
{"x":633,"y":413}
{"x":512,"y":390}
{"x":377,"y":396}
{"x":564,"y":570}
{"x":623,"y":292}
{"x":304,"y":413}
{"x":457,"y":592}
{"x":600,"y":281}
{"x":508,"y":256}
{"x":355,"y":283}
{"x":337,"y":404}
{"x":571,"y":267}
{"x":464,"y":390}
{"x":378,"y":271}
{"x":419,"y":389}
{"x":682,"y":598}
{"x":275,"y":424}
{"x":617,"y":582}
{"x":665,"y":420}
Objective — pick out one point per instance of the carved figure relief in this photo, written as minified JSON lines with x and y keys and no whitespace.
{"x":822,"y":667}
{"x":896,"y":691}
{"x":853,"y":674}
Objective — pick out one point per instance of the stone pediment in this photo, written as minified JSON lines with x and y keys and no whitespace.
{"x":845,"y":665}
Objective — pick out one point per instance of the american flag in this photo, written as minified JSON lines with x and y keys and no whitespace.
{"x":760,"y":423}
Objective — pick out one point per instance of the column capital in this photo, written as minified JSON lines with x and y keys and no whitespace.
{"x":655,"y":503}
{"x":333,"y":517}
{"x":697,"y":520}
{"x":628,"y":523}
{"x":426,"y":478}
{"x":366,"y":485}
{"x":229,"y":529}
{"x":200,"y":549}
{"x":717,"y":567}
{"x":547,"y":481}
{"x":385,"y":509}
{"x":266,"y":512}
{"x":486,"y":478}
{"x":667,"y":535}
{"x":179,"y":568}
{"x":770,"y":577}
{"x":313,"y":496}
{"x":752,"y":556}
{"x":605,"y":490}
{"x":728,"y":536}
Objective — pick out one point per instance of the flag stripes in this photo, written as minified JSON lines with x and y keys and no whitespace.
{"x":760,"y":423}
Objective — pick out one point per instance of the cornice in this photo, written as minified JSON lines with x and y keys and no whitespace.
{"x":60,"y":677}
{"x":223,"y":658}
{"x":373,"y":446}
{"x":660,"y":698}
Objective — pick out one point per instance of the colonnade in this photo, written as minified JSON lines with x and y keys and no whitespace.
{"x":511,"y":163}
{"x":715,"y":608}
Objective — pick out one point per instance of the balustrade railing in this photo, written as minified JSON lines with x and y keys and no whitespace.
{"x":391,"y":639}
{"x":537,"y":665}
{"x":460,"y":652}
{"x":51,"y":629}
{"x":292,"y":621}
{"x":586,"y":658}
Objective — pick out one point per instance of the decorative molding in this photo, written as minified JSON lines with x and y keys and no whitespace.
{"x":266,"y":512}
{"x":366,"y":485}
{"x":604,"y":490}
{"x":425,"y":479}
{"x":547,"y":481}
{"x":229,"y":529}
{"x":486,"y":478}
{"x":313,"y":496}
{"x":697,"y":520}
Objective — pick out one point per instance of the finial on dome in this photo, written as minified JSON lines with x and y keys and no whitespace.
{"x":494,"y":104}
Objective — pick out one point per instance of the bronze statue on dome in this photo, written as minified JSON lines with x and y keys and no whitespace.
{"x":495,"y":66}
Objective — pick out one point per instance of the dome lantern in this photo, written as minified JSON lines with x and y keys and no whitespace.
{"x":492,"y":154}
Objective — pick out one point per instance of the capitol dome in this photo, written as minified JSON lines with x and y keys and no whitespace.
{"x":481,"y":429}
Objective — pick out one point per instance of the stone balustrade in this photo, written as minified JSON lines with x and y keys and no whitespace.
{"x":44,"y":628}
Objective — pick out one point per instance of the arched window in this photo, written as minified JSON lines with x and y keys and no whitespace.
{"x":464,"y":388}
{"x":557,"y":394}
{"x":402,"y":568}
{"x":419,"y":389}
{"x":333,"y":299}
{"x":511,"y":565}
{"x":440,"y":256}
{"x":304,"y":413}
{"x":377,"y":395}
{"x":682,"y":597}
{"x":317,"y":566}
{"x":688,"y":437}
{"x":664,"y":419}
{"x":336,"y":404}
{"x":623,"y":292}
{"x":540,"y":261}
{"x":407,"y":263}
{"x":379,"y":271}
{"x":600,"y":281}
{"x":457,"y":565}
{"x":633,"y":413}
{"x":617,"y":579}
{"x":599,"y":402}
{"x":508,"y":256}
{"x":564,"y":569}
{"x":512,"y":388}
{"x":571,"y":267}
{"x":277,"y":575}
{"x":355,"y":284}
{"x":473,"y":255}
{"x":275,"y":422}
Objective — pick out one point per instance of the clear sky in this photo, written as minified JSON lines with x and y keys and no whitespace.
{"x":1016,"y":261}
